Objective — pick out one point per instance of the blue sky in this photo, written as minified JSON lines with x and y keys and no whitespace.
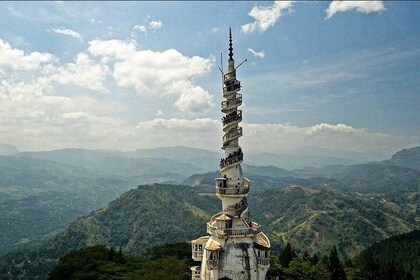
{"x":335,"y":77}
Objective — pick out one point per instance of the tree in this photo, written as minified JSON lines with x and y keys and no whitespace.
{"x":287,"y":255}
{"x":111,"y":254}
{"x":335,"y":267}
{"x":368,"y":267}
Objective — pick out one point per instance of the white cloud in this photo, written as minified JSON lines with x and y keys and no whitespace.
{"x":257,"y":54}
{"x":36,"y":112}
{"x":84,"y":72}
{"x":148,"y":25}
{"x":157,"y":73}
{"x":193,"y":99}
{"x":17,"y":59}
{"x":257,"y":137}
{"x":141,"y":28}
{"x":360,"y":6}
{"x":155,"y":24}
{"x":112,"y":48}
{"x":266,"y":17}
{"x":67,"y":32}
{"x":214,"y":30}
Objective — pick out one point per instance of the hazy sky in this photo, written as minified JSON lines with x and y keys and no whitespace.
{"x":326,"y":76}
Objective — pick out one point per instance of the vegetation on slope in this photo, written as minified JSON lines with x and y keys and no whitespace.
{"x":99,"y":262}
{"x":401,"y":252}
{"x":39,"y":198}
{"x":313,"y":219}
{"x":394,"y":258}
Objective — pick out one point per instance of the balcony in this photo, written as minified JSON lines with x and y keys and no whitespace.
{"x":195,"y":273}
{"x":263,"y":261}
{"x":232,"y":191}
{"x":228,"y":77}
{"x":234,"y":87}
{"x":234,"y":117}
{"x":222,"y":189}
{"x":231,"y":135}
{"x":231,"y":160}
{"x":212,"y":264}
{"x":228,"y":105}
{"x":197,"y":255}
{"x":230,"y":232}
{"x":197,"y":248}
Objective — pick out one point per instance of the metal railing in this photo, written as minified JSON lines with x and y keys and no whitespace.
{"x":229,"y":76}
{"x":197,"y":254}
{"x":232,"y":135}
{"x":238,"y":232}
{"x":232,"y":118}
{"x":231,"y":191}
{"x":231,"y":160}
{"x":212,"y":264}
{"x":233,"y":87}
{"x":264,"y":261}
{"x":225,"y":105}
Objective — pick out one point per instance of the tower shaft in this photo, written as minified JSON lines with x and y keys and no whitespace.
{"x":235,"y":248}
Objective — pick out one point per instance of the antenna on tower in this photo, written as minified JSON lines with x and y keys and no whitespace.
{"x":241,"y":63}
{"x":221,"y":66}
{"x":221,"y":63}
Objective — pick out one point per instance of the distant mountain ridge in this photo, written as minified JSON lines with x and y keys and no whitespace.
{"x":118,"y":164}
{"x":6,"y":149}
{"x":406,"y":158}
{"x":52,"y":188}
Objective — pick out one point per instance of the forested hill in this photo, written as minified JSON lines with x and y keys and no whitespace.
{"x":396,"y":258}
{"x":313,"y":219}
{"x":401,"y":250}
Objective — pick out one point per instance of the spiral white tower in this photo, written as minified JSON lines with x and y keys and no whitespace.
{"x":236,"y":248}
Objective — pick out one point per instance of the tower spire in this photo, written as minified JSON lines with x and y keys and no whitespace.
{"x":230,"y":45}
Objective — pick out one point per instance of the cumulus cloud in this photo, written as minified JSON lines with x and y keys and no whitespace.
{"x":36,"y":112}
{"x":112,"y":48}
{"x":17,"y":59}
{"x":84,"y":72}
{"x":157,"y":73}
{"x":193,"y":99}
{"x":266,"y":17}
{"x":257,"y":54}
{"x":257,"y":137}
{"x":360,"y":6}
{"x":67,"y":32}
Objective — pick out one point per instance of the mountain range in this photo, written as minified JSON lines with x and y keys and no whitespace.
{"x":43,"y":192}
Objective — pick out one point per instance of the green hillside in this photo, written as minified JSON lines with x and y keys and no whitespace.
{"x":401,"y":250}
{"x":100,"y":262}
{"x":38,"y":198}
{"x":313,"y":219}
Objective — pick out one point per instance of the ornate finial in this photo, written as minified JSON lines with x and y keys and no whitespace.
{"x":230,"y":45}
